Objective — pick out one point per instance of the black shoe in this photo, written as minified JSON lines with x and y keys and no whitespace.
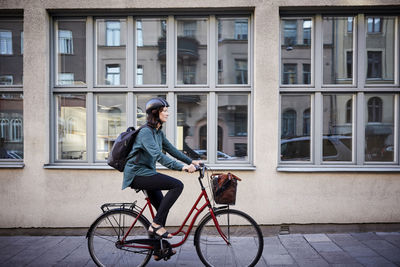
{"x":153,"y":231}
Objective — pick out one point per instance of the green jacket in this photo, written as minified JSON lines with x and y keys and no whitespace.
{"x":146,"y":151}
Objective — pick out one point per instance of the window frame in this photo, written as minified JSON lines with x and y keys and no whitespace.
{"x":358,"y":89}
{"x":13,"y":89}
{"x":171,"y":89}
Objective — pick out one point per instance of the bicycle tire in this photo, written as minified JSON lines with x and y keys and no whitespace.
{"x":244,"y":234}
{"x":110,"y":228}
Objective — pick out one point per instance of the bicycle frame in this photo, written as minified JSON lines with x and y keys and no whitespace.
{"x":207,"y":203}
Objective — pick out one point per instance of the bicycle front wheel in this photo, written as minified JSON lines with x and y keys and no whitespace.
{"x":106,"y":233}
{"x":244,"y":235}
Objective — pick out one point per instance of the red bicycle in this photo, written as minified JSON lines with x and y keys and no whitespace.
{"x":224,"y":236}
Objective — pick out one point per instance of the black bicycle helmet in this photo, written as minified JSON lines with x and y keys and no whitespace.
{"x":155,"y":103}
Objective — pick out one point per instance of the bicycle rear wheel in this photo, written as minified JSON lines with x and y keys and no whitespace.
{"x":243,"y":233}
{"x":108,"y":230}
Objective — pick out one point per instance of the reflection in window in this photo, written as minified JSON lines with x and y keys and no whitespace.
{"x":232,"y":51}
{"x":65,"y":79}
{"x":307,"y":32}
{"x":306,"y":73}
{"x":71,"y":127}
{"x":11,"y":126}
{"x":113,"y":33}
{"x":338,"y":47}
{"x":22,"y":43}
{"x":71,"y":54}
{"x":375,"y":109}
{"x":374,"y":70}
{"x":350,"y":23}
{"x":110,"y":122}
{"x":290,"y":32}
{"x":296,"y":47}
{"x":289,"y":73}
{"x":192,"y":125}
{"x":241,"y":29}
{"x":241,"y":71}
{"x":380,"y":47}
{"x":5,"y":42}
{"x":374,"y":25}
{"x":6,"y":80}
{"x":65,"y":42}
{"x":306,"y":122}
{"x":337,"y":132}
{"x":379,"y":127}
{"x":349,"y":111}
{"x":295,"y":136}
{"x":151,"y":51}
{"x":232,"y":127}
{"x":192,"y":51}
{"x":111,"y":52}
{"x":113,"y":73}
{"x":289,"y":123}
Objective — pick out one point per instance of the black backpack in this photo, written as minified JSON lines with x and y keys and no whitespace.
{"x":121,"y":148}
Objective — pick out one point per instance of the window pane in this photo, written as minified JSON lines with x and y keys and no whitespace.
{"x":192,"y":51}
{"x":71,"y":52}
{"x":295,"y":127}
{"x":337,"y":131}
{"x":151,"y":51}
{"x":71,"y":127}
{"x":338,"y":48}
{"x":233,"y":51}
{"x":11,"y":126}
{"x":232,"y":127}
{"x":296,"y":41}
{"x":11,"y":57}
{"x":192,"y":125}
{"x":141,"y":117}
{"x":110,"y":122}
{"x":111,"y":52}
{"x":379,"y":127}
{"x":380,"y":46}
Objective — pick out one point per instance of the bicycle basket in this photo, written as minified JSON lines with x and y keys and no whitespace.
{"x":224,"y":187}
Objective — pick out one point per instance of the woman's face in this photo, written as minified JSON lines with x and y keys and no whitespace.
{"x":164,"y":115}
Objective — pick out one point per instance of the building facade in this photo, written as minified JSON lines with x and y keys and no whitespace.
{"x":298,"y":99}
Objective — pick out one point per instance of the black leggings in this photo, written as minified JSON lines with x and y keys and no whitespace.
{"x":153,"y":185}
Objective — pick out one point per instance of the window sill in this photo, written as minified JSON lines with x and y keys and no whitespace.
{"x":12,"y":165}
{"x":215,"y":167}
{"x":338,"y":169}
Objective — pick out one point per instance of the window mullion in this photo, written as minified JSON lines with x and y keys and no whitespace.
{"x":361,"y":52}
{"x":90,"y":128}
{"x":171,"y":56}
{"x":212,"y":129}
{"x":131,"y":108}
{"x":172,"y":120}
{"x":318,"y":55}
{"x":212,"y":74}
{"x":90,"y":62}
{"x":360,"y":129}
{"x":131,"y":54}
{"x":316,"y":135}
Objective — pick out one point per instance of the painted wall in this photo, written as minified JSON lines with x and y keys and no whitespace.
{"x":38,"y":197}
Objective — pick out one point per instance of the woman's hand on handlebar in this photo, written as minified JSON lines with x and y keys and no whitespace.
{"x":196,"y":162}
{"x":189,"y":168}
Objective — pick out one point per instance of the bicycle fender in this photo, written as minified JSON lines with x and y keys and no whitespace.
{"x":208,"y":214}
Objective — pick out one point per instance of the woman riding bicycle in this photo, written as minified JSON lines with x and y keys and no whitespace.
{"x":140,"y":170}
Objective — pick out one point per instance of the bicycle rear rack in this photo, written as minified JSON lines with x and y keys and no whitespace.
{"x":125,"y":206}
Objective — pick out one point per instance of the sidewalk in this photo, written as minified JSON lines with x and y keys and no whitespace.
{"x":348,"y":249}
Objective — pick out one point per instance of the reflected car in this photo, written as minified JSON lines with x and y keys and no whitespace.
{"x":335,"y":148}
{"x":15,"y":154}
{"x":220,"y":155}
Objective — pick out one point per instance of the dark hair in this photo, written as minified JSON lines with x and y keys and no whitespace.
{"x":153,"y":118}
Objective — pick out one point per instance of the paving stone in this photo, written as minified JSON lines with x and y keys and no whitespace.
{"x":317,"y":238}
{"x":393,"y":238}
{"x":346,"y":265}
{"x":279,"y":260}
{"x":365,"y":236}
{"x":312,"y":263}
{"x":273,"y":246}
{"x":378,"y":244}
{"x":360,"y":251}
{"x":338,"y":257}
{"x":375,"y":261}
{"x":325,"y":247}
{"x":345,"y":240}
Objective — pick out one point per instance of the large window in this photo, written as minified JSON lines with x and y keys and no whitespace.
{"x":346,"y":114}
{"x":11,"y":92}
{"x":139,"y":58}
